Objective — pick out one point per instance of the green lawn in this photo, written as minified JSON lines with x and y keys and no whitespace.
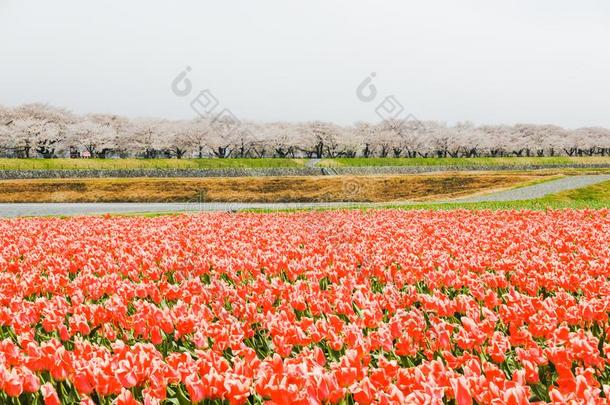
{"x":72,"y":164}
{"x":485,"y":161}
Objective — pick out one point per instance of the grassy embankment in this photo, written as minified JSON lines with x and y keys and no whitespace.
{"x":468,"y":162}
{"x":124,"y":164}
{"x":75,"y":164}
{"x":378,"y":188}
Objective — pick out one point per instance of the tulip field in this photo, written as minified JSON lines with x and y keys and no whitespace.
{"x":342,"y":307}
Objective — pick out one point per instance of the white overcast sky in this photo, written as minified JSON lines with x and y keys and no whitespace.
{"x":544,"y":61}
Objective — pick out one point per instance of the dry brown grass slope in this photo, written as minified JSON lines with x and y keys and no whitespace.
{"x":262,"y":189}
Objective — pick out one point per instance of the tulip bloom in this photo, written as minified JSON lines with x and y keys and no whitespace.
{"x":379,"y":307}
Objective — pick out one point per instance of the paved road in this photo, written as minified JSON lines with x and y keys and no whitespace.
{"x":44,"y":209}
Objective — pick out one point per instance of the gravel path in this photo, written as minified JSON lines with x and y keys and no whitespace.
{"x":312,"y":162}
{"x":539,"y":190}
{"x":69,"y":209}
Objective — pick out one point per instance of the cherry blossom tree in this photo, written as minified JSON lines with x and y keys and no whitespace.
{"x":262,"y":139}
{"x":197,"y":136}
{"x":365,"y":133}
{"x":119,"y":131}
{"x":96,"y":138}
{"x":40,"y":130}
{"x":279,"y":139}
{"x":495,"y":139}
{"x":149,"y":137}
{"x":224,"y":137}
{"x":48,"y":126}
{"x":321,"y":139}
{"x":180,"y":137}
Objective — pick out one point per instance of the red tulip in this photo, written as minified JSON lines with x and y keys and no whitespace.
{"x":49,"y":394}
